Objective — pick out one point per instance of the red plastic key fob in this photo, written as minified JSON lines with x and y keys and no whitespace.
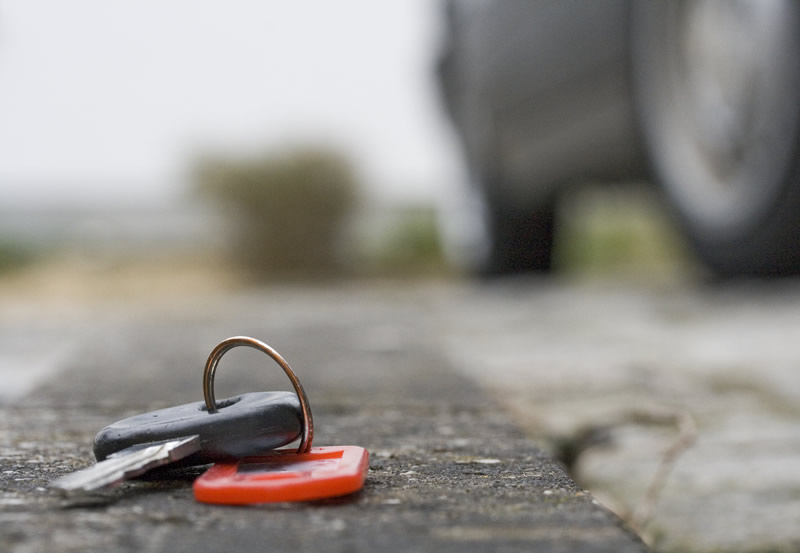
{"x":321,"y":473}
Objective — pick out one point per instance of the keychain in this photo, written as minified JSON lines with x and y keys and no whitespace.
{"x":304,"y":475}
{"x":240,"y":434}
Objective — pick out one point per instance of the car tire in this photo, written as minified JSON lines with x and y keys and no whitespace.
{"x":518,"y":240}
{"x":486,"y":237}
{"x":717,"y":90}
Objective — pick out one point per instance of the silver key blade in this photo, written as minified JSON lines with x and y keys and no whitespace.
{"x":128,"y":463}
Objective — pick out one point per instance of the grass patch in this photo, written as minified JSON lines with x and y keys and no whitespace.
{"x":618,"y":230}
{"x":411,"y":246}
{"x":406,"y":244}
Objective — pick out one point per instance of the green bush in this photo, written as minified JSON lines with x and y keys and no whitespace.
{"x":15,"y":255}
{"x":287,"y":212}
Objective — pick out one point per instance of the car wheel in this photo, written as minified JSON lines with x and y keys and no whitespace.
{"x":518,"y":240}
{"x":717,"y":89}
{"x":487,"y":237}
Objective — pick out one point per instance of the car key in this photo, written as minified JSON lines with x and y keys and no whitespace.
{"x":128,"y":463}
{"x":187,"y":435}
{"x":244,"y":425}
{"x":201,"y":432}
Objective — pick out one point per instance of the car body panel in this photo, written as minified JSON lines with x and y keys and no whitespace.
{"x":540,"y":92}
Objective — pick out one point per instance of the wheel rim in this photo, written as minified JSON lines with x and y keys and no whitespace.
{"x":722,"y":107}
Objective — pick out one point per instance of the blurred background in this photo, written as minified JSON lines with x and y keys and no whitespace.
{"x":134,"y":136}
{"x":631,"y":153}
{"x":113,"y":116}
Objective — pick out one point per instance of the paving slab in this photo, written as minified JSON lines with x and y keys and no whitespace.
{"x":614,"y":367}
{"x":449,"y":471}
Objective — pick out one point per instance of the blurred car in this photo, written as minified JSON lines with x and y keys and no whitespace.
{"x":701,"y":95}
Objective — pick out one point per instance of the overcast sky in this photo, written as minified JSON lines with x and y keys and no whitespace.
{"x":105,"y":101}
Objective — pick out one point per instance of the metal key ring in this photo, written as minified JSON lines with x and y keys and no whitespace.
{"x":226,"y":345}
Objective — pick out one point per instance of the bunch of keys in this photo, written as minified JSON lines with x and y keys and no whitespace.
{"x":239,"y":434}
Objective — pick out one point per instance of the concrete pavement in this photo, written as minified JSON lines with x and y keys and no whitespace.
{"x":450,"y":469}
{"x":440,"y":382}
{"x":628,"y":369}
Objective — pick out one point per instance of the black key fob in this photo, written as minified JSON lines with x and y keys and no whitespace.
{"x":244,"y":425}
